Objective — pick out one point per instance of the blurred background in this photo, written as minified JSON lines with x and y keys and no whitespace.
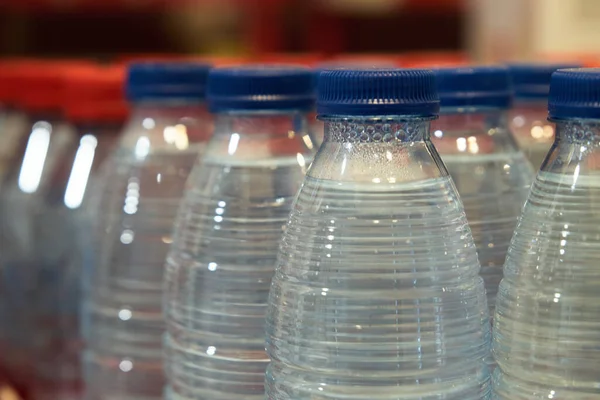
{"x":487,"y":30}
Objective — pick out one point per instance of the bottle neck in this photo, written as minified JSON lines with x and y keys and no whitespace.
{"x":260,"y":138}
{"x":576,"y":148}
{"x":376,"y":130}
{"x":473,"y":132}
{"x":261,"y":124}
{"x":377,"y":151}
{"x":586,"y":132}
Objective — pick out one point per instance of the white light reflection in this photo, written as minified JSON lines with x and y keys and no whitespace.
{"x":132,"y":198}
{"x":438,"y":134}
{"x":125,"y":314}
{"x":301,"y":160}
{"x":35,"y":157}
{"x":461,"y":144}
{"x":181,"y":140}
{"x":519,"y":121}
{"x":170,"y":134}
{"x":473,"y":145}
{"x":537,"y":132}
{"x":575,"y":176}
{"x":233,"y":143}
{"x":126,"y":365}
{"x":127,"y":236}
{"x":148,"y":123}
{"x":307,"y":141}
{"x":142,"y":147}
{"x":80,"y":172}
{"x":211,"y":350}
{"x":344,"y":163}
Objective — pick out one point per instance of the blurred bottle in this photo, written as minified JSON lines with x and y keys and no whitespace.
{"x":490,"y":172}
{"x":12,"y":122}
{"x":377,"y":293}
{"x":141,"y":185}
{"x":546,"y":340}
{"x":528,"y":116}
{"x":95,"y":107}
{"x":38,"y":145}
{"x":223,"y":256}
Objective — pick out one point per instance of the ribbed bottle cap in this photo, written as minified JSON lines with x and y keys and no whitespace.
{"x":474,"y":87}
{"x":575,"y":93}
{"x":166,"y":81}
{"x":532,"y":81}
{"x":377,"y":92}
{"x":260,"y":87}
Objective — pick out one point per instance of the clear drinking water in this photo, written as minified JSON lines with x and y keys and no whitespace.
{"x":492,"y":177}
{"x":377,"y":291}
{"x":223,"y":255}
{"x":491,"y":173}
{"x":546,"y":340}
{"x":64,"y":247}
{"x":142,"y":184}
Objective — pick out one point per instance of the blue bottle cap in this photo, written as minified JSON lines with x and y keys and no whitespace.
{"x":260,"y":87}
{"x":575,"y":93}
{"x":474,"y":87}
{"x":531,"y":81}
{"x":166,"y":81}
{"x":377,"y":92}
{"x":351,"y":64}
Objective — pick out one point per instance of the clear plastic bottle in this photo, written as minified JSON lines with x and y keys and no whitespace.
{"x":95,"y":107}
{"x":39,"y":141}
{"x":528,"y":116}
{"x":223,"y":256}
{"x":546,"y":339}
{"x":141,"y":185}
{"x":491,"y":173}
{"x":377,"y":293}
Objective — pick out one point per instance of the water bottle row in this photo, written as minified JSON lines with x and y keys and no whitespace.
{"x":219,"y":207}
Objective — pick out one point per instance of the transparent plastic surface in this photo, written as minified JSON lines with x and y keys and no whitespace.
{"x":28,"y":285}
{"x":492,"y":177}
{"x":224,"y":252}
{"x":12,"y":127}
{"x":140,"y":187}
{"x":532,"y":130}
{"x":546,"y":339}
{"x":64,"y":248}
{"x":377,"y":293}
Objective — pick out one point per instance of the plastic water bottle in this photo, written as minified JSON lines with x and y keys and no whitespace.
{"x":546,"y":340}
{"x":223,"y":256}
{"x":142,"y":184}
{"x":94,"y":105}
{"x":527,"y":117}
{"x":38,"y":143}
{"x":490,"y":172}
{"x":377,"y":293}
